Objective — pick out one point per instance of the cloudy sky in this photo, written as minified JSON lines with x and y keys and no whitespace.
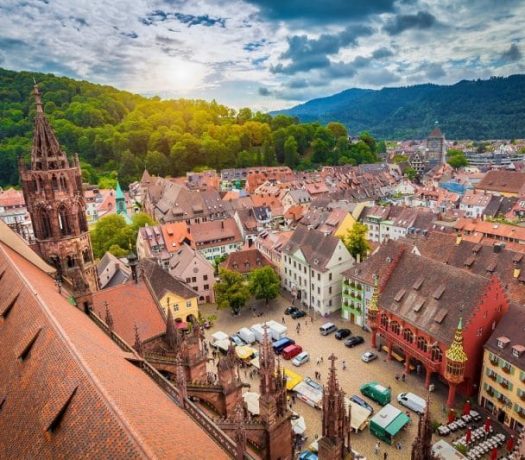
{"x":265,"y":54}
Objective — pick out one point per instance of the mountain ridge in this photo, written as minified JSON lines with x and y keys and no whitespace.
{"x":475,"y":109}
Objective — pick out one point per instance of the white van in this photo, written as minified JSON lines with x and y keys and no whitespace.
{"x":412,"y":402}
{"x":327,"y":328}
{"x":246,"y":335}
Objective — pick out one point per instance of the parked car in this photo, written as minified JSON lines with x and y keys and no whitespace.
{"x":281,"y":344}
{"x":353,"y":341}
{"x":327,"y":328}
{"x":342,"y":334}
{"x":291,"y":309}
{"x":313,"y":383}
{"x":298,"y":314}
{"x":237,"y":341}
{"x":412,"y":402}
{"x":301,"y":358}
{"x":361,"y":402}
{"x":368,"y":356}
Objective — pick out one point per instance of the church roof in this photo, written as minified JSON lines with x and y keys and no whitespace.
{"x":67,"y":388}
{"x":119,"y":194}
{"x":436,"y":133}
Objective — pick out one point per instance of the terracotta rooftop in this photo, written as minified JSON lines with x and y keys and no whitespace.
{"x":69,"y":390}
{"x":502,"y":181}
{"x":215,"y":232}
{"x":130,"y":305}
{"x":176,"y":234}
{"x":245,"y":261}
{"x":447,"y":293}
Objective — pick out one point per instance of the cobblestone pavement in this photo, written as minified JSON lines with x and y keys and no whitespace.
{"x":356,"y":373}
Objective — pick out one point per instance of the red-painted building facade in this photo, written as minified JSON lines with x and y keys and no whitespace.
{"x":436,"y":316}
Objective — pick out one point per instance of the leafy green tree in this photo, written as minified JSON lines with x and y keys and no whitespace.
{"x":356,"y":242}
{"x":110,"y":232}
{"x":454,"y":152}
{"x":410,"y":173}
{"x":458,"y":161}
{"x":291,"y":156}
{"x":368,"y":140}
{"x":264,"y":283}
{"x":157,"y":164}
{"x":337,"y":129}
{"x":399,"y":159}
{"x":231,"y":291}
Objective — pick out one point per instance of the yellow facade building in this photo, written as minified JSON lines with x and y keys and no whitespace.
{"x":170,"y":292}
{"x":502,"y":386}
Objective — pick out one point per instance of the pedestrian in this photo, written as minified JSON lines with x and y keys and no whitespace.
{"x":377,"y":447}
{"x":403,"y":376}
{"x":398,"y":446}
{"x":322,"y":359}
{"x":318,"y":361}
{"x":344,"y":364}
{"x":385,"y":456}
{"x":283,"y":321}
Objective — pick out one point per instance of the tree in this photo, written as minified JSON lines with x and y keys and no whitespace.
{"x":231,"y":291}
{"x":337,"y":129}
{"x":157,"y":163}
{"x":264,"y":283}
{"x":398,"y":159}
{"x":291,"y":157}
{"x":411,"y":173}
{"x":356,"y":241}
{"x":454,"y":152}
{"x":458,"y":161}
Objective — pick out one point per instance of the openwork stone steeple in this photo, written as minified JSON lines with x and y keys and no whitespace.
{"x":422,"y":446}
{"x":55,"y":201}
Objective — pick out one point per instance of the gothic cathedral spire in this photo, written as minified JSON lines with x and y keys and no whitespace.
{"x":55,"y":201}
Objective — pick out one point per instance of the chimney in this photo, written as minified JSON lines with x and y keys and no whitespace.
{"x":133,"y":262}
{"x":497,"y":247}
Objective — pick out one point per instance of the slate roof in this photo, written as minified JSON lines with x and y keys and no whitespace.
{"x":69,"y":390}
{"x":316,"y":247}
{"x":502,"y":181}
{"x":512,"y":327}
{"x":448,"y":293}
{"x":161,"y":282}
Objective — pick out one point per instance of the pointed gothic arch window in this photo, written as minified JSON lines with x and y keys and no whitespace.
{"x":63,"y":221}
{"x":54,"y":182}
{"x":63,"y":183}
{"x":436,"y":353}
{"x":44,"y":223}
{"x":82,"y":223}
{"x":33,"y":185}
{"x":40,"y":184}
{"x":70,"y":261}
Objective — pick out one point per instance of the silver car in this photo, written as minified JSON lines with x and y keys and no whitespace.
{"x":301,"y":358}
{"x":368,"y":356}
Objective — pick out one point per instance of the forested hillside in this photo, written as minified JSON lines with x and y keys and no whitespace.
{"x":116,"y":132}
{"x":480,"y":109}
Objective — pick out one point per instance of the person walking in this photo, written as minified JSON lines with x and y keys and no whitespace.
{"x":318,"y":361}
{"x":385,"y":456}
{"x":283,"y":320}
{"x":377,"y":447}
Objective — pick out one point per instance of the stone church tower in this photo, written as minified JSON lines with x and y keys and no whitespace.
{"x":55,"y":201}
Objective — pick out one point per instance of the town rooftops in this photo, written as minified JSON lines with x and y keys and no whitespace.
{"x":502,"y":181}
{"x":508,"y":339}
{"x":316,"y":247}
{"x":67,"y":388}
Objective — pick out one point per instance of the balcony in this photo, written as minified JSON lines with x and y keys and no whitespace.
{"x":506,"y":368}
{"x":492,"y":375}
{"x":494,"y":360}
{"x":413,"y":351}
{"x":505,"y":384}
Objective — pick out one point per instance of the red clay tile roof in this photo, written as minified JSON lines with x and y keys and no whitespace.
{"x":112,"y":408}
{"x":175,"y":234}
{"x":502,"y":181}
{"x":215,"y":232}
{"x":130,"y":304}
{"x":245,"y":261}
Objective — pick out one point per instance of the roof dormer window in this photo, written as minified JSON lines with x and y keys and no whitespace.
{"x":502,"y":342}
{"x":517,"y":350}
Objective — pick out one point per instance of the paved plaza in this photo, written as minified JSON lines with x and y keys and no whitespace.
{"x":356,"y":373}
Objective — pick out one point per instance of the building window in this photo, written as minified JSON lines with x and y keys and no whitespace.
{"x":319,"y":277}
{"x":330,"y":290}
{"x":422,"y":344}
{"x":205,"y":277}
{"x":436,"y":354}
{"x":188,"y":304}
{"x":384,"y":321}
{"x":394,"y":327}
{"x":408,"y":335}
{"x":206,"y":287}
{"x":194,"y":279}
{"x":330,"y":276}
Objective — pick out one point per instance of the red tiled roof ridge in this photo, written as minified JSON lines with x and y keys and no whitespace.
{"x":135,"y":437}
